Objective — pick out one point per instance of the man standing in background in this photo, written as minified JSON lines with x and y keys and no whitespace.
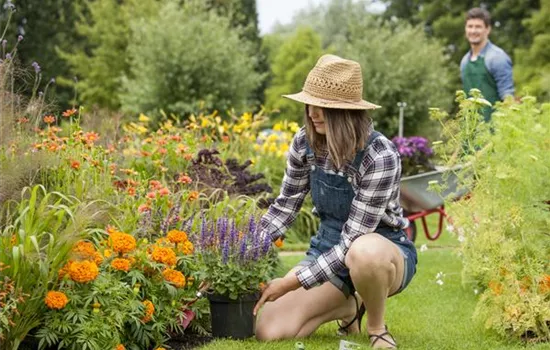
{"x":486,"y":66}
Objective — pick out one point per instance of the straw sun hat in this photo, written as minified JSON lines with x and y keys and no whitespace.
{"x":334,"y":82}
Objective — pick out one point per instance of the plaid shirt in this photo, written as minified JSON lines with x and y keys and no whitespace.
{"x":376,"y":199}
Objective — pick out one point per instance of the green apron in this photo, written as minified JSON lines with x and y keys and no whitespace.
{"x":477,"y":76}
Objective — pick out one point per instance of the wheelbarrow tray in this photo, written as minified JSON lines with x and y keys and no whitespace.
{"x":416,"y":197}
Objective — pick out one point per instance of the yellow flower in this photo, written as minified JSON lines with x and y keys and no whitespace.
{"x":56,"y":300}
{"x":143,"y":118}
{"x":83,"y":271}
{"x":175,"y":277}
{"x":107,"y":253}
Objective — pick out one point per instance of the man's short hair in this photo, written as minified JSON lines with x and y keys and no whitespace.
{"x":479,"y":13}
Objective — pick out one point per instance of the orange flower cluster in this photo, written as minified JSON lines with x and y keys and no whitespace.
{"x":69,"y":113}
{"x":193,"y":196}
{"x":49,"y":119}
{"x":544,"y":284}
{"x":122,"y":242}
{"x":184,"y":179}
{"x":279,"y":243}
{"x":149,"y":311}
{"x":175,"y":277}
{"x":186,"y":248}
{"x":120,"y":347}
{"x":85,"y":251}
{"x":164,"y":255}
{"x":121,"y":264}
{"x":176,"y":236}
{"x":83,"y":271}
{"x":56,"y":300}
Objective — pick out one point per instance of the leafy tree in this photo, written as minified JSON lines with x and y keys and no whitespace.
{"x":244,"y":16}
{"x":45,"y":25}
{"x":400,"y":63}
{"x":186,"y":55}
{"x":292,"y":63}
{"x":101,"y":63}
{"x":532,"y":70}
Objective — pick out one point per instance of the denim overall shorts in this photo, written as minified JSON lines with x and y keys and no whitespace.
{"x":332,"y":194}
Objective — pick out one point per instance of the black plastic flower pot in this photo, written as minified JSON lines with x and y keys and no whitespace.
{"x":232,"y":318}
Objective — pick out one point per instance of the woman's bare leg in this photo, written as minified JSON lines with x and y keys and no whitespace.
{"x":300,"y":312}
{"x":376,"y":268}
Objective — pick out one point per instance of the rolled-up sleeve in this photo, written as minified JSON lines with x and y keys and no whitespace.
{"x":499,"y":65}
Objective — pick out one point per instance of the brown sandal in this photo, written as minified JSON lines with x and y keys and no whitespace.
{"x":378,"y":337}
{"x":343,"y":329}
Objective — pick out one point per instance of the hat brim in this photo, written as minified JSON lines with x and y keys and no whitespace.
{"x":306,"y":98}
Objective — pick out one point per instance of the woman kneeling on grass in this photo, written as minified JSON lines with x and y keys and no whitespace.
{"x":353,"y":173}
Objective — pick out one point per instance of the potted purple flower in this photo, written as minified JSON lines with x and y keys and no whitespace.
{"x":415,"y":154}
{"x":235,"y":261}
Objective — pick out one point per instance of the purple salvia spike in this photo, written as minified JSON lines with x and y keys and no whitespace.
{"x":233,"y":235}
{"x":266,"y":244}
{"x":203,"y":233}
{"x":242,"y":250}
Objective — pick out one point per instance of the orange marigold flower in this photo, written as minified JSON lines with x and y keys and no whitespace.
{"x":49,"y":119}
{"x":193,"y":196}
{"x":164,"y":191}
{"x":84,"y":250}
{"x":186,"y":248}
{"x":176,"y":236}
{"x":149,"y":311}
{"x":83,"y":271}
{"x":69,"y":112}
{"x":56,"y":300}
{"x":121,"y":264}
{"x":184,"y":179}
{"x":98,"y":259}
{"x":120,"y":347}
{"x":122,"y":242}
{"x":279,"y":243}
{"x":164,"y":255}
{"x":175,"y":277}
{"x":65,"y":269}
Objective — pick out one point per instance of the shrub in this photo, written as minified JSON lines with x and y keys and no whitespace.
{"x":184,"y":56}
{"x":504,"y":223}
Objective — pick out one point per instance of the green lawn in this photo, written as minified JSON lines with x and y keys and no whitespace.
{"x":425,"y":316}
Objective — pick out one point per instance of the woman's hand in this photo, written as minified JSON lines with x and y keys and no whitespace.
{"x":277,"y":288}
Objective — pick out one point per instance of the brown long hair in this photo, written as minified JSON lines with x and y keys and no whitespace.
{"x":347,"y":131}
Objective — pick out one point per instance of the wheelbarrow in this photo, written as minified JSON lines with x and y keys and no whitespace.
{"x":418,"y":202}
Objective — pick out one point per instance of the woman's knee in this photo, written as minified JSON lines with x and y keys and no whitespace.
{"x":271,"y":324}
{"x":369,"y":255}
